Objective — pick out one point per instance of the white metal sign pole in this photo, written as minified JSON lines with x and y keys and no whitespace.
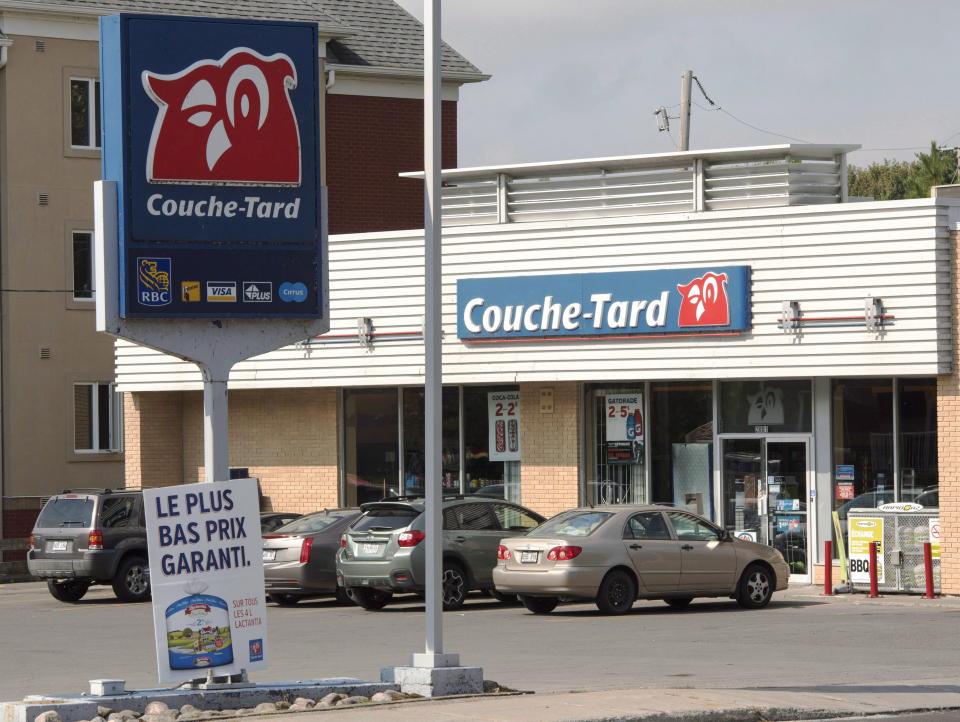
{"x":216,"y":464}
{"x":434,"y":656}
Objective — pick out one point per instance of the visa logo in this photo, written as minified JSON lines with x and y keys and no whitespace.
{"x":222,"y":291}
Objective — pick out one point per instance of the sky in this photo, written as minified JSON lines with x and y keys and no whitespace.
{"x":582,"y":79}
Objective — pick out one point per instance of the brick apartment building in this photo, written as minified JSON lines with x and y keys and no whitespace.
{"x":62,"y":417}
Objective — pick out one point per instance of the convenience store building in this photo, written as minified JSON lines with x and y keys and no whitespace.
{"x":724,"y":331}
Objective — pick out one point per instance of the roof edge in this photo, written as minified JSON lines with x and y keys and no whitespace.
{"x":384,"y":71}
{"x":760,"y":152}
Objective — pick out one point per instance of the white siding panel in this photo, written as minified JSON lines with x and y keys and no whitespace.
{"x":827,"y":258}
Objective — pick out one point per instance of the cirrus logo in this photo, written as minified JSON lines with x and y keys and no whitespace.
{"x":293,"y":292}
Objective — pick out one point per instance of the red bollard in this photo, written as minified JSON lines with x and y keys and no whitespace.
{"x":828,"y":568}
{"x":873,"y":571}
{"x":928,"y":570}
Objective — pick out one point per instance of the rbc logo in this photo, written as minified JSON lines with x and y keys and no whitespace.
{"x":704,"y":301}
{"x":225,"y":121}
{"x":153,"y":281}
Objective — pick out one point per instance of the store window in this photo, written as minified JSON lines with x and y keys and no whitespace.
{"x":917,"y":409}
{"x":414,"y":442}
{"x":765,"y":407}
{"x":371,"y":428}
{"x":681,"y":445}
{"x":96,"y":418}
{"x":862,"y":443}
{"x":491,"y":442}
{"x":379,"y":422}
{"x":617,"y":446}
{"x":84,"y":113}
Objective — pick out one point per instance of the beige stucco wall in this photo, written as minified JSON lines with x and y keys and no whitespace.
{"x":36,"y":253}
{"x":287,"y":438}
{"x":948,"y":450}
{"x":550,"y":447}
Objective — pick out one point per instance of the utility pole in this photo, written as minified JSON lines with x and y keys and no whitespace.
{"x":685,"y":89}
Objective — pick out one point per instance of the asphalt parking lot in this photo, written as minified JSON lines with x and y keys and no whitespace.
{"x":801,"y":640}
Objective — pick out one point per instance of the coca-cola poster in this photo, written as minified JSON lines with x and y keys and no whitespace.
{"x":503,"y":414}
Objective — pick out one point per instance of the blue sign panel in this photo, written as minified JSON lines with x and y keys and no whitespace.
{"x":211,"y":131}
{"x":621,"y":304}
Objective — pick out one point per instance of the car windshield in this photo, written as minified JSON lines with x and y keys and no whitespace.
{"x":62,"y":511}
{"x":311,"y":523}
{"x":385,"y":519}
{"x":577,"y":523}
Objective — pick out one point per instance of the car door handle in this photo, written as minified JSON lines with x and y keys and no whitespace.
{"x":636,"y":546}
{"x":687,"y":547}
{"x":460,"y":538}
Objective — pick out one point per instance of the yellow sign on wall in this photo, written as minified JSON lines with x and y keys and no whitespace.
{"x":862,"y":533}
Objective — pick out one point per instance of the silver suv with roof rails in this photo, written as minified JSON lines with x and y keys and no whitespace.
{"x":91,"y":536}
{"x":382,"y":553}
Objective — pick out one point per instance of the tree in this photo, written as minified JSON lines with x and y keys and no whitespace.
{"x":936,"y":168}
{"x":894,"y":180}
{"x":881,"y":181}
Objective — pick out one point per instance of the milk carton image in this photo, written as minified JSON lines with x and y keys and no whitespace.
{"x":198,"y":631}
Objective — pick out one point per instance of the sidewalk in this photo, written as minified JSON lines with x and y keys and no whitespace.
{"x":731,"y":704}
{"x":666,"y":705}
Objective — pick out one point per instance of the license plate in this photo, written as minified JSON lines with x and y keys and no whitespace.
{"x":58,"y":546}
{"x":269,"y":555}
{"x":370,"y":549}
{"x":528,"y":557}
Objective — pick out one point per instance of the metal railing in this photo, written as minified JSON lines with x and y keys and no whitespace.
{"x":690,"y":181}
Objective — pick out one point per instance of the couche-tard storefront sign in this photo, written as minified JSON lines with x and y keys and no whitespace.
{"x":676,"y":301}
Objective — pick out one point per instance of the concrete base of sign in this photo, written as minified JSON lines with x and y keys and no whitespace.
{"x":75,"y":707}
{"x":434,"y":681}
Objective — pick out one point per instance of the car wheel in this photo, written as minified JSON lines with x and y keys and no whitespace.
{"x":342,"y":596}
{"x":539,"y":605}
{"x":70,"y":590}
{"x":679,"y":602}
{"x":369,"y":599}
{"x":504,"y":598}
{"x":284,"y":600}
{"x":454,"y":586}
{"x":755,"y":587}
{"x":131,"y":584}
{"x":617,"y":593}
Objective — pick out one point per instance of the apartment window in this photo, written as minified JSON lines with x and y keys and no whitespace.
{"x":82,"y":266}
{"x":96,"y":418}
{"x":84,"y":113}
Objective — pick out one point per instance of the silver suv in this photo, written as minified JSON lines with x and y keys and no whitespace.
{"x":91,"y":536}
{"x":382,"y":553}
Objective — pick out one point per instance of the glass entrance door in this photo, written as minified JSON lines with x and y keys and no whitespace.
{"x":765,"y":495}
{"x":787,"y":501}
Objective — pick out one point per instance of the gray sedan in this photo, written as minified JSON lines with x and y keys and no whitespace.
{"x":616,"y":554}
{"x":299,"y":557}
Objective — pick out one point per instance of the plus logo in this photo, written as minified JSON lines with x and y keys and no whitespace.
{"x":227,"y":121}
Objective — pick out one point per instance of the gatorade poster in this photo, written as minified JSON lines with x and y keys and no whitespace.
{"x":503,"y":413}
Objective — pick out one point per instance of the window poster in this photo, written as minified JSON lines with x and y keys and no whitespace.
{"x":624,"y":428}
{"x":503,"y":414}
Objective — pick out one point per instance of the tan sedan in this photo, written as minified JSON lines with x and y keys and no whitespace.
{"x":614,"y":555}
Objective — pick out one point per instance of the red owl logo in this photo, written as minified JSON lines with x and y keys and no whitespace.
{"x":226,"y":121}
{"x":704,"y":301}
